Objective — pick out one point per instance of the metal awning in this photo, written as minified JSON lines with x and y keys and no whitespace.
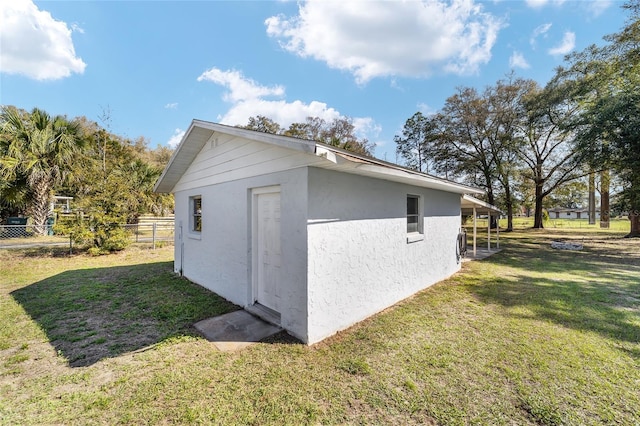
{"x":471,"y":206}
{"x":469,"y":203}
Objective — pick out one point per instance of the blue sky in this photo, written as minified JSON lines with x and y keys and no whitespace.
{"x":156,"y":65}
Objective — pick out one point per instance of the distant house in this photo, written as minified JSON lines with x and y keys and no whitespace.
{"x":306,"y":235}
{"x":565,"y":213}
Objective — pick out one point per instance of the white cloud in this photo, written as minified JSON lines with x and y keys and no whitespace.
{"x":76,"y":28}
{"x":566,"y":45}
{"x":390,"y":38}
{"x":282,"y":112}
{"x":240,"y":88}
{"x":366,"y":127}
{"x":597,"y":7}
{"x":517,"y":60}
{"x":594,"y":7}
{"x":171,"y":105}
{"x":34,"y":44}
{"x":537,"y":4}
{"x":426,"y":109}
{"x":541,"y":30}
{"x":175,"y":139}
{"x":247,"y":98}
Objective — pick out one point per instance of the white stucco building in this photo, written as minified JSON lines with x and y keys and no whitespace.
{"x":308,"y":236}
{"x":577,"y":213}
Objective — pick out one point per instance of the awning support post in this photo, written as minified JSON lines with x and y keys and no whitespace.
{"x":489,"y":231}
{"x":475,"y":227}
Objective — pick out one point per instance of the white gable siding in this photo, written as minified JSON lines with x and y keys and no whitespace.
{"x":359,"y":261}
{"x":239,"y":158}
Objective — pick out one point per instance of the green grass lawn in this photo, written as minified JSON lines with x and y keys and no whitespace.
{"x":531,"y":335}
{"x":616,"y":225}
{"x":621,"y":224}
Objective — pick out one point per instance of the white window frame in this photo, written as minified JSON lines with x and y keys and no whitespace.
{"x":418,"y":234}
{"x":195,"y":217}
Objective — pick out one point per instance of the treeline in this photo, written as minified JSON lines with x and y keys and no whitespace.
{"x":522,"y":142}
{"x":110,"y":178}
{"x":509,"y":139}
{"x":339,"y":132}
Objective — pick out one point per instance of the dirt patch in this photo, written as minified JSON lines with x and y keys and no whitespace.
{"x":92,"y":335}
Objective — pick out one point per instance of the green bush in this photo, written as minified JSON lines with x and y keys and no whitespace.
{"x":116,"y":239}
{"x":96,"y":234}
{"x":95,"y":251}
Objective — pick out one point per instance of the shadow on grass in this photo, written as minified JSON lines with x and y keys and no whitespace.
{"x":596,"y":289}
{"x":92,"y":314}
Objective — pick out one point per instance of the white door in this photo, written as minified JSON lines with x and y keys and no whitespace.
{"x":267,"y":249}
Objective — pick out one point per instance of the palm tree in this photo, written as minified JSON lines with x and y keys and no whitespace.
{"x":39,"y":148}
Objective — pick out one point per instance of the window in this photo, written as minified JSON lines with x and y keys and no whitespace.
{"x":414,"y":218}
{"x":196,"y":213}
{"x":413,"y":215}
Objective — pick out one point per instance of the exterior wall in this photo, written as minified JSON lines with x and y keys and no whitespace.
{"x":345,"y":254}
{"x":359,"y":260}
{"x":220,"y":259}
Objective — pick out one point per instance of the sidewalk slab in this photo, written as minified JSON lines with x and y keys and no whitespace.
{"x":235,"y":330}
{"x":481,"y":253}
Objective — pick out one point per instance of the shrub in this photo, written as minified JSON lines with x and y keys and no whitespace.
{"x":116,"y":239}
{"x":97,"y":235}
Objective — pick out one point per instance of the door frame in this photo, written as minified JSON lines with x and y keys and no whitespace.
{"x":255,"y":193}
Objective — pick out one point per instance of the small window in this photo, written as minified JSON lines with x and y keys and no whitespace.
{"x":414,"y":214}
{"x":415,"y":230}
{"x":196,"y":214}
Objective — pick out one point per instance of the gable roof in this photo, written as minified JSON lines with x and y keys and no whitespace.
{"x":200,"y":132}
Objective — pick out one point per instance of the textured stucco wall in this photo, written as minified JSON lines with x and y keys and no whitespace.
{"x":359,"y":260}
{"x":220,"y":258}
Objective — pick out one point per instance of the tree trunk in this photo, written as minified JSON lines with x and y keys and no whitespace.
{"x":634,"y":217}
{"x":604,"y":199}
{"x":592,"y":198}
{"x":40,"y":205}
{"x":537,"y":215}
{"x":507,"y":193}
{"x":492,"y":200}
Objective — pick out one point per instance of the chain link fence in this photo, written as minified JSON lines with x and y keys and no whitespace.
{"x":151,"y":232}
{"x":18,"y":236}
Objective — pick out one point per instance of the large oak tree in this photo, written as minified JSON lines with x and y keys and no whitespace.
{"x":548,"y":150}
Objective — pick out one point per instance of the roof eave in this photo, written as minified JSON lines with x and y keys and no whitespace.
{"x":350,"y":162}
{"x":166,"y":183}
{"x":337,"y":158}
